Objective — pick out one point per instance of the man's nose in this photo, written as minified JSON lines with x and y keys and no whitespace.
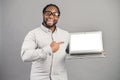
{"x":51,"y":16}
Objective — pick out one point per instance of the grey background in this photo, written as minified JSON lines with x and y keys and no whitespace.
{"x":17,"y":17}
{"x":0,"y":26}
{"x":0,"y":37}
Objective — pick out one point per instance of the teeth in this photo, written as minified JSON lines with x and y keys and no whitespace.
{"x":50,"y":20}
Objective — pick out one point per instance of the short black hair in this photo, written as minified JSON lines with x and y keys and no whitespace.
{"x":51,"y":5}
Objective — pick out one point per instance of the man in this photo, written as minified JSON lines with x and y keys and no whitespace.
{"x":45,"y":47}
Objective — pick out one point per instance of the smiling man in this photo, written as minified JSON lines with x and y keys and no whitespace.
{"x":46,"y":46}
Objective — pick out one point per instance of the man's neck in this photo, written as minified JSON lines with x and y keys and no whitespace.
{"x":53,"y":29}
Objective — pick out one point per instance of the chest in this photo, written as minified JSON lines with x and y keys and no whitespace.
{"x":44,"y":39}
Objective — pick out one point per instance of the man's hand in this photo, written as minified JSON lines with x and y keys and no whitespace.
{"x":55,"y":46}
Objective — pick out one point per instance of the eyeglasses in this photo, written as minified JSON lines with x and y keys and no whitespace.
{"x":49,"y":13}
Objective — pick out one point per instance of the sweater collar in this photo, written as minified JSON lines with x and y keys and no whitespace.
{"x":45,"y":29}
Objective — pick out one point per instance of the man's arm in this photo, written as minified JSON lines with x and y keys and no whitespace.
{"x":30,"y":52}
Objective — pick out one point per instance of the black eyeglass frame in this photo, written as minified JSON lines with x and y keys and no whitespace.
{"x":49,"y":13}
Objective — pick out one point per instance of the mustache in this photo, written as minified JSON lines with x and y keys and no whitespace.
{"x":49,"y":26}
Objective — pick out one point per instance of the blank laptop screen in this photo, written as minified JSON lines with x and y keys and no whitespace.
{"x":86,"y":42}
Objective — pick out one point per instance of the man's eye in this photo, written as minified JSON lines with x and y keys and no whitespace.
{"x":49,"y":13}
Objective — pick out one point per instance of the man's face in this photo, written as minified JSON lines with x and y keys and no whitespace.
{"x":51,"y":16}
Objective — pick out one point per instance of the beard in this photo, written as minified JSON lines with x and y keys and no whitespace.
{"x":49,"y":26}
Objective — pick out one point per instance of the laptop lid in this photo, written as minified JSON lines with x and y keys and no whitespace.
{"x":86,"y":43}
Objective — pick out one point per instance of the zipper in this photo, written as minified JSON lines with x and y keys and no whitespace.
{"x":52,"y":36}
{"x":51,"y":60}
{"x":51,"y":68}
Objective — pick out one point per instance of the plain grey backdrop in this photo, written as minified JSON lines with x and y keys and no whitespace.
{"x":17,"y":17}
{"x":0,"y":37}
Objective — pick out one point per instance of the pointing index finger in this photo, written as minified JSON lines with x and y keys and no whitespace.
{"x":60,"y":42}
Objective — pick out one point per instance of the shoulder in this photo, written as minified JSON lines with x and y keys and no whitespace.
{"x":63,"y":31}
{"x":32,"y":33}
{"x":34,"y":30}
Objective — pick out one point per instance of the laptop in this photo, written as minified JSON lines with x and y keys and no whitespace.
{"x":83,"y":43}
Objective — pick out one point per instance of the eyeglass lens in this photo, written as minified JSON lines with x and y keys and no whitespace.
{"x":48,"y":13}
